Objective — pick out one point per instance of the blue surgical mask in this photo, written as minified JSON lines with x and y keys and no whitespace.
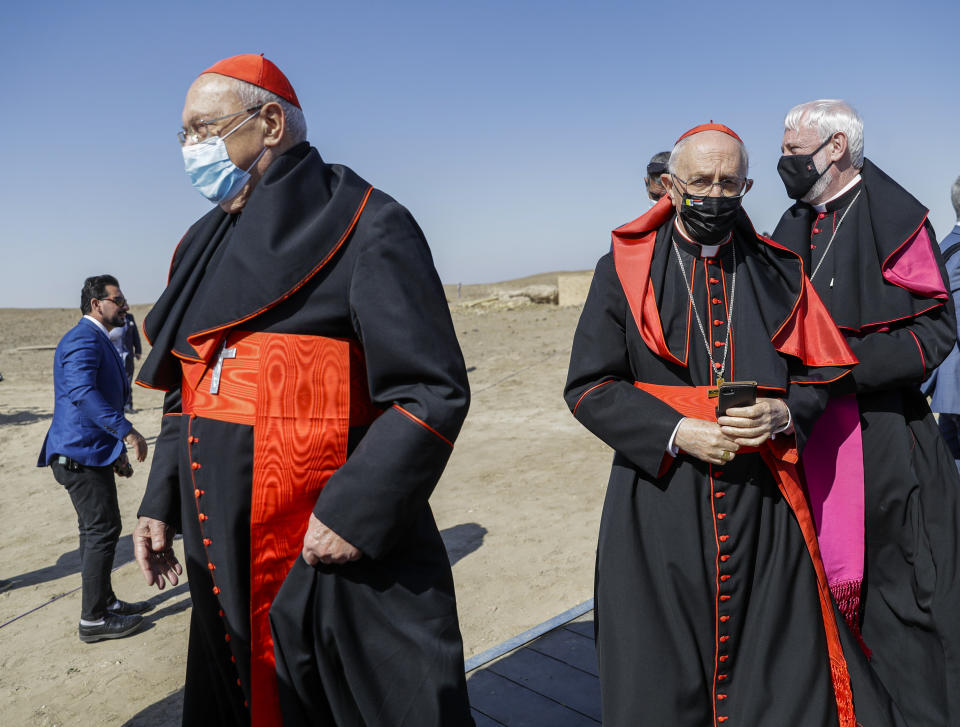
{"x":210,"y":169}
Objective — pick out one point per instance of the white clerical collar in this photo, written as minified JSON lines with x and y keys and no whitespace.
{"x":98,"y":324}
{"x":705,"y":250}
{"x":822,"y":207}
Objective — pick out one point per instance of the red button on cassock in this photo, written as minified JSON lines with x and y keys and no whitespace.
{"x":195,"y":465}
{"x":207,"y":541}
{"x":716,"y":301}
{"x":211,"y":566}
{"x":216,"y":591}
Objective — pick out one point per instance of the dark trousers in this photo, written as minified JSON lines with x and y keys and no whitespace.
{"x":93,"y":491}
{"x":950,"y":429}
{"x":128,"y":367}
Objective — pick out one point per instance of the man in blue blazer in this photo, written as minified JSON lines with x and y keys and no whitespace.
{"x":944,"y":383}
{"x":85,"y":448}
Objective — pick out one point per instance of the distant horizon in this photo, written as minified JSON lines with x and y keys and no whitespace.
{"x":453,"y":283}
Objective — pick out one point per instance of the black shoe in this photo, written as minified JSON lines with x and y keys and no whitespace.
{"x":122,"y":608}
{"x":5,"y":585}
{"x":114,"y":626}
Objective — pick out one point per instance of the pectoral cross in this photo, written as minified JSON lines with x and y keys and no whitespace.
{"x":714,"y":393}
{"x":218,"y":367}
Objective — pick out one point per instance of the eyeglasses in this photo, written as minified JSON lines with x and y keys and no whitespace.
{"x":118,"y":301}
{"x":199,"y":132}
{"x":702,"y":187}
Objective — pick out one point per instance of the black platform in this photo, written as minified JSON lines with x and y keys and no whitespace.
{"x":549,"y":681}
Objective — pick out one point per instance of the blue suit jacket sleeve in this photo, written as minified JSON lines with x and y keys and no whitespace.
{"x":80,"y":367}
{"x":943,"y":385}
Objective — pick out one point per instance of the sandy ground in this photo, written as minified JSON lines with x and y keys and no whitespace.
{"x":519,"y":507}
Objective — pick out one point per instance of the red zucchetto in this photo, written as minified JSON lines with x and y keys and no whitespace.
{"x":710,"y":127}
{"x":259,"y":71}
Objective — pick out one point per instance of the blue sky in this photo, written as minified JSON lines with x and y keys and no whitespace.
{"x":516,"y":132}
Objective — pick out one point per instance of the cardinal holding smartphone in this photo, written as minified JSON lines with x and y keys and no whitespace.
{"x":703,"y":358}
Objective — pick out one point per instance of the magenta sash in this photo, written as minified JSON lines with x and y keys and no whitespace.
{"x":833,"y":466}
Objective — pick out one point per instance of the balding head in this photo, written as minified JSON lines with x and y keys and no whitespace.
{"x":707,"y":143}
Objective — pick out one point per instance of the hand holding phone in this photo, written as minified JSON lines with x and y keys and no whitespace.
{"x":733,"y":394}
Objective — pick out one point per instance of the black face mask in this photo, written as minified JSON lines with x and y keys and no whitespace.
{"x":708,"y":220}
{"x":799,"y":173}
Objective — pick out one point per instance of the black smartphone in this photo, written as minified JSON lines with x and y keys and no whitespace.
{"x":733,"y":394}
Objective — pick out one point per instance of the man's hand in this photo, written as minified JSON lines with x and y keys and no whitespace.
{"x":135,"y":439}
{"x":322,"y":545}
{"x":122,"y":466}
{"x":751,"y":426}
{"x":153,"y":549}
{"x":705,"y":441}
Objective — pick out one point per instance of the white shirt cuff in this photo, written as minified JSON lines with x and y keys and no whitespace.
{"x":786,"y":428}
{"x":672,"y":448}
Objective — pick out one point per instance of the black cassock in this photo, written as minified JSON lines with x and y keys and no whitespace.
{"x":900,"y":330}
{"x":322,"y":267}
{"x":707,"y":607}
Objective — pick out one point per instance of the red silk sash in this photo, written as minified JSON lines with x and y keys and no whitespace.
{"x":780,"y":456}
{"x":301,"y":394}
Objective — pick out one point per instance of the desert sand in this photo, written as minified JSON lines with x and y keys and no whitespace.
{"x":519,"y":506}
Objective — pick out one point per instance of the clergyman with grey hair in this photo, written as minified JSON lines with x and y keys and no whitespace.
{"x":315,"y":390}
{"x":882,"y":483}
{"x":943,"y":386}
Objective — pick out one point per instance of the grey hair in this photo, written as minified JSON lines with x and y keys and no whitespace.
{"x":830,"y":115}
{"x":678,"y":149}
{"x":250,"y":95}
{"x":955,"y":197}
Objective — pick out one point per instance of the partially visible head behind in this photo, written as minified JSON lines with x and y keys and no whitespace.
{"x":955,"y":197}
{"x":829,"y":116}
{"x":658,"y":165}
